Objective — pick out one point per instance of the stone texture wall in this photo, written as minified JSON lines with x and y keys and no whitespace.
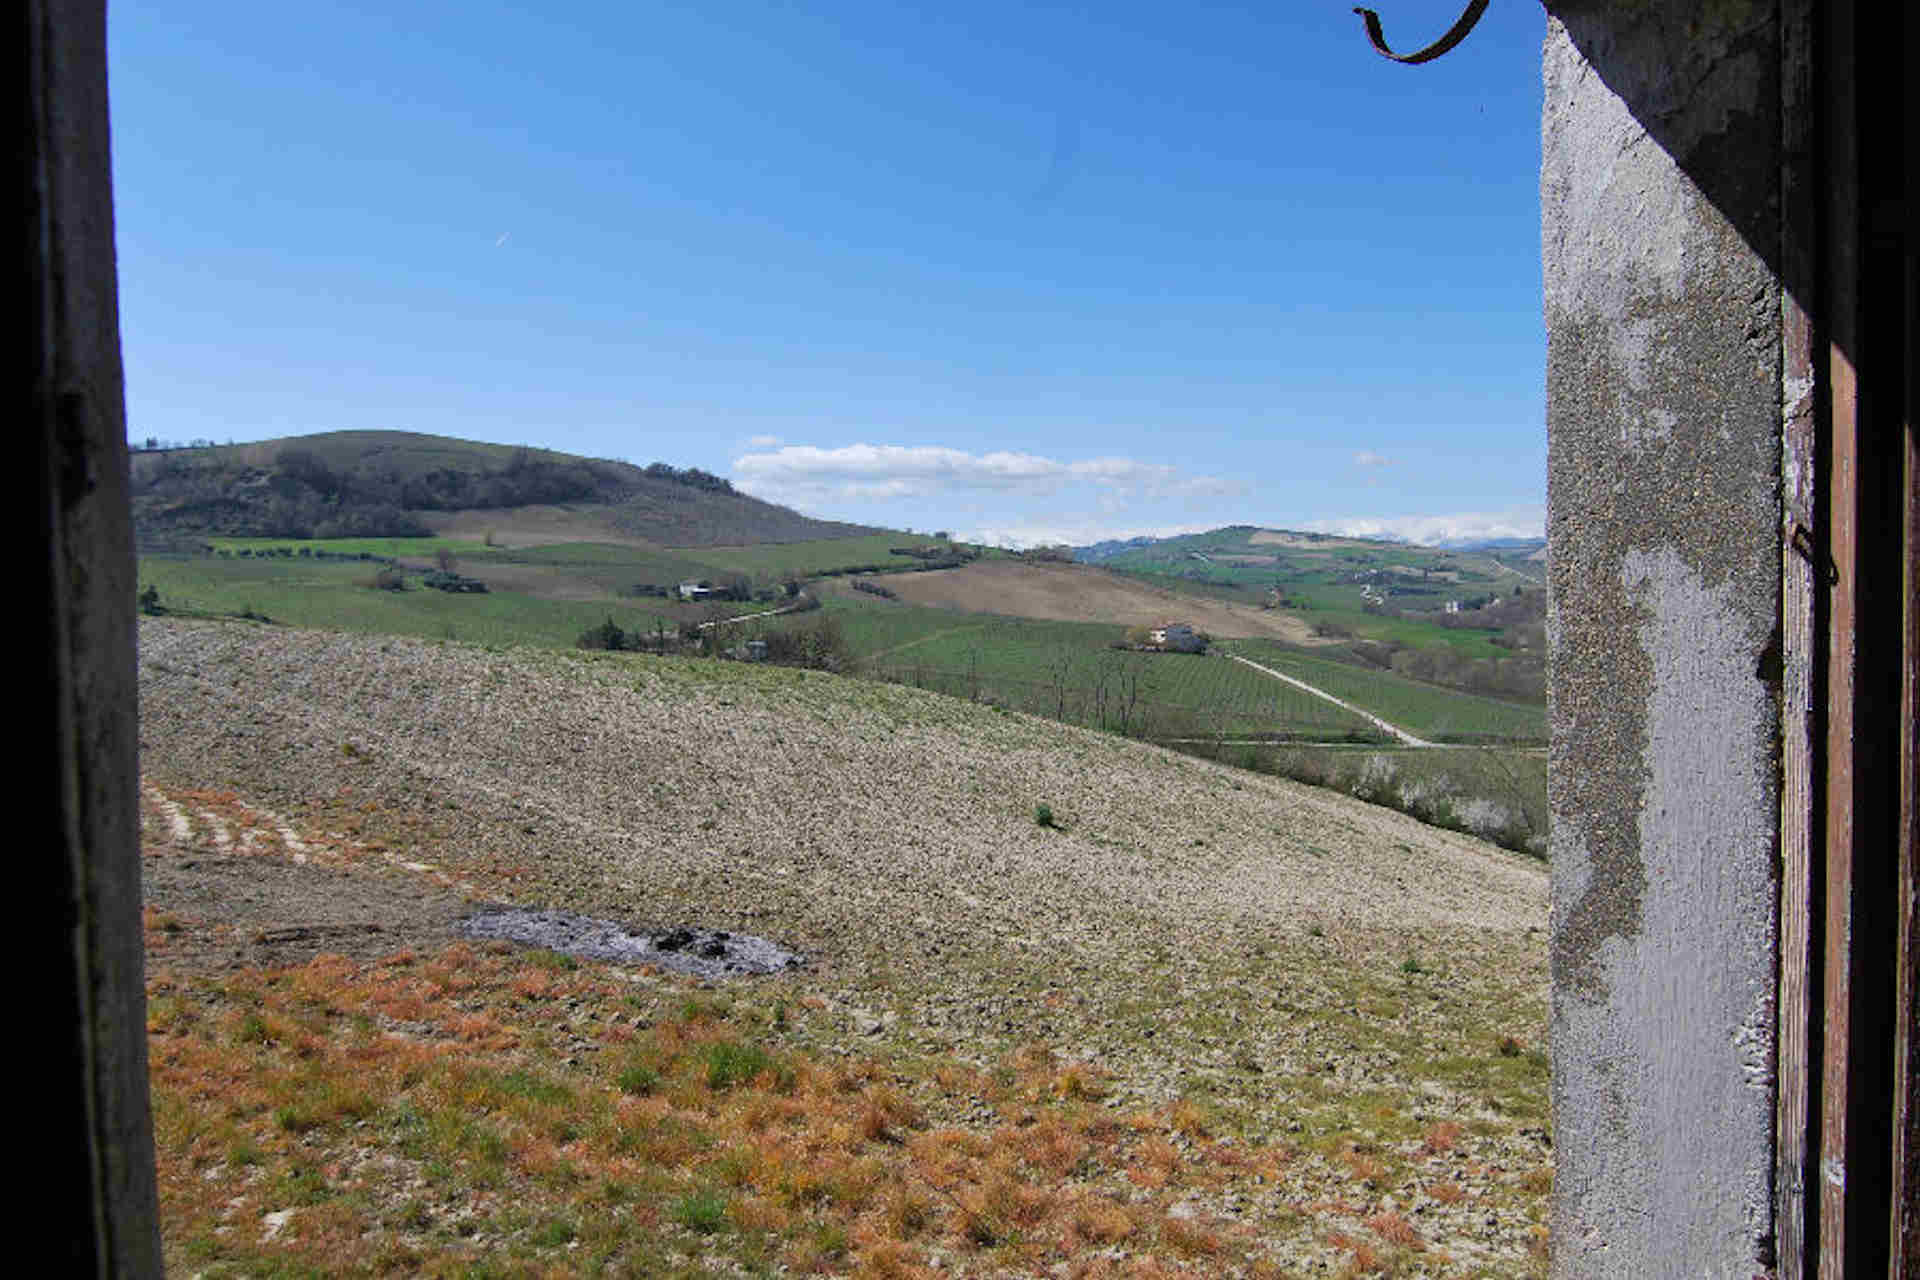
{"x":1661,"y":155}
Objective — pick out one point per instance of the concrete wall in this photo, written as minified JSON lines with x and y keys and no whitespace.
{"x":1661,"y":155}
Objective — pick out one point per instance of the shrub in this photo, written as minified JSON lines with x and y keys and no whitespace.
{"x":730,"y":1063}
{"x":821,"y":646}
{"x":1043,"y":817}
{"x":605,"y":636}
{"x":639,"y":1079}
{"x":704,"y":1212}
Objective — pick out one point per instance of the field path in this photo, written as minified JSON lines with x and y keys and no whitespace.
{"x":1399,"y":733}
{"x":931,"y":635}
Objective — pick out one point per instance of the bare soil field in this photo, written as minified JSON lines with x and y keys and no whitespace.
{"x":1085,"y":593}
{"x":1199,"y":1022}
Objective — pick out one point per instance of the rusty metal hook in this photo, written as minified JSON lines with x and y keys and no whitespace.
{"x":1454,"y":36}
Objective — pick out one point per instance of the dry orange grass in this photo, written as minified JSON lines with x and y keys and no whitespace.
{"x":1394,"y":1228}
{"x":1441,"y":1138}
{"x":407,"y":1114}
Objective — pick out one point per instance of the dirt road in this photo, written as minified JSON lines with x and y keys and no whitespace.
{"x":1405,"y":738}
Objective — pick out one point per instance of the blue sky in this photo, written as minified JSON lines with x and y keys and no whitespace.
{"x":1033,"y":272}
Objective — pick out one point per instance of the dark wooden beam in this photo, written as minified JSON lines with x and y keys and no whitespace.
{"x":91,"y":1196}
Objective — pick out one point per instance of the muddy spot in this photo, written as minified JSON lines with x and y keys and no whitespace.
{"x":704,"y":953}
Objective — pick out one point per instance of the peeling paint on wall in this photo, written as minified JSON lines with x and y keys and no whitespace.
{"x":1664,"y":497}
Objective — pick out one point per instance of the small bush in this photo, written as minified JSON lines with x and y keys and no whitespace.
{"x":1043,"y":817}
{"x":730,"y":1063}
{"x":605,"y":636}
{"x":639,"y":1079}
{"x":704,"y":1212}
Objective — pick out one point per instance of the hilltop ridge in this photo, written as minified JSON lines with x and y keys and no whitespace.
{"x":342,"y":484}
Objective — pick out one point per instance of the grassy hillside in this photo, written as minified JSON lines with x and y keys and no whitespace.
{"x":1469,"y":620}
{"x":334,"y":596}
{"x":1217,"y":1022}
{"x":1428,"y":711}
{"x":1070,"y":671}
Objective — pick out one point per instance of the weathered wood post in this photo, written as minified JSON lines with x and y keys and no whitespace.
{"x":88,"y":1189}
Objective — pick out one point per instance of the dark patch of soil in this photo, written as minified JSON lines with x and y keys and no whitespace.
{"x":217,"y":912}
{"x":705,"y":953}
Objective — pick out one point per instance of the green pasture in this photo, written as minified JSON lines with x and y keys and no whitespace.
{"x":614,"y":569}
{"x":827,"y":555}
{"x":390,"y":548}
{"x":1332,"y":607}
{"x":1423,"y":709}
{"x":1070,"y":671}
{"x":331,"y":595}
{"x":1339,"y":604}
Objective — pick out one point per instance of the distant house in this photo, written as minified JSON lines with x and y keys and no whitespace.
{"x":694,"y":590}
{"x":1177,"y":637}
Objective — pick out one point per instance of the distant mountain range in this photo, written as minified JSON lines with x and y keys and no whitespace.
{"x":1101,"y":552}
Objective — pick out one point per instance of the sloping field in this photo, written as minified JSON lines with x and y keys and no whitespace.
{"x":1084,"y":593}
{"x":1070,"y":671}
{"x":1201,"y":1022}
{"x":1428,"y":710}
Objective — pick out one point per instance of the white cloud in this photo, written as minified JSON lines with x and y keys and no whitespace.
{"x":806,"y":475}
{"x":1520,"y":522}
{"x":763,"y":442}
{"x":1075,"y":532}
{"x":1368,"y":458}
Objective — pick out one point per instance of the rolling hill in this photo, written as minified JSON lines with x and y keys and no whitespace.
{"x":344,"y":484}
{"x":1328,"y":566}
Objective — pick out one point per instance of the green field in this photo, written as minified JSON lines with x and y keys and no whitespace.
{"x":390,"y":548}
{"x":828,"y":555}
{"x":1067,"y":670}
{"x":1416,"y":577}
{"x":308,"y":593}
{"x":1426,"y":710}
{"x":616,"y":567}
{"x":1070,"y":671}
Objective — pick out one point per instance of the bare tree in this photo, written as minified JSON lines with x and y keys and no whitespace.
{"x":1059,"y":676}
